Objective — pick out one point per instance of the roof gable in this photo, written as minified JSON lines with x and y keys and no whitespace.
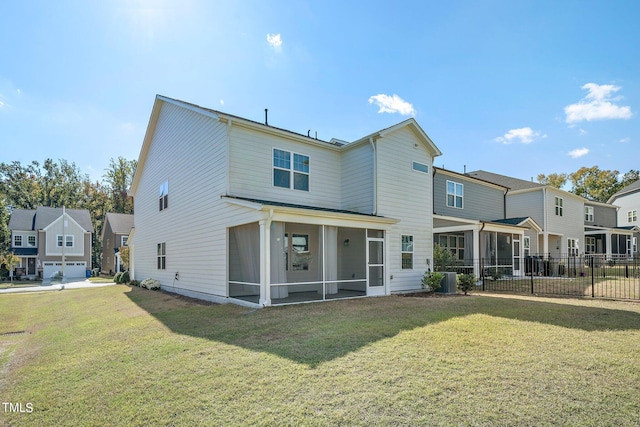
{"x":45,"y":216}
{"x":631,"y":188}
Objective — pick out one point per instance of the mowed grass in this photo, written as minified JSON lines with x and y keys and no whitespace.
{"x":123,"y":356}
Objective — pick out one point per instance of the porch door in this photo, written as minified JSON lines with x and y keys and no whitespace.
{"x":375,"y":262}
{"x":517,"y":256}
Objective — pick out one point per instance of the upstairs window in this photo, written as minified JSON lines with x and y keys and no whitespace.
{"x":17,"y":240}
{"x":559,"y":206}
{"x":123,"y":240}
{"x":455,"y":193}
{"x":632,"y":216}
{"x":163,"y":196}
{"x":31,"y":241}
{"x":588,"y":213}
{"x":68,"y":239}
{"x":420,"y":167}
{"x":290,"y":170}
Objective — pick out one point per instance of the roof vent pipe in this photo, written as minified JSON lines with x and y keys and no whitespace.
{"x":316,"y":134}
{"x":309,"y":133}
{"x":266,"y":115}
{"x":465,"y":169}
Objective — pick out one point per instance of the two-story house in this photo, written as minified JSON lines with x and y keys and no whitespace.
{"x":559,"y":213}
{"x":628,"y":202}
{"x":115,"y":232}
{"x":44,"y":237}
{"x":234,"y":210}
{"x":470,"y":220}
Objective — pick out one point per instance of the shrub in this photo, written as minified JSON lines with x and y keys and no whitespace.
{"x":466,"y":282}
{"x":134,"y":283}
{"x":116,"y":278}
{"x":95,"y":272}
{"x":432,"y":281}
{"x":443,"y":259}
{"x":124,"y":278}
{"x":150,"y":284}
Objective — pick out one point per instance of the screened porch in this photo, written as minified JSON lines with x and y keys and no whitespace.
{"x":286,"y":262}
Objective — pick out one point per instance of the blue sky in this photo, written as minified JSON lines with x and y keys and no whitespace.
{"x":512,"y":87}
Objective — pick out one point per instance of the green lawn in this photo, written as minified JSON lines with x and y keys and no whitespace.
{"x":124,"y":356}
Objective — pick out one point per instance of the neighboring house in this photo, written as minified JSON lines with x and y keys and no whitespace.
{"x":470,"y":220}
{"x":559,"y":214}
{"x":230,"y":209}
{"x":44,"y":236}
{"x":115,"y":232}
{"x":628,"y":202}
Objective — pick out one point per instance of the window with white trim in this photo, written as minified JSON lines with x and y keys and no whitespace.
{"x":635,"y":245}
{"x":526,"y":245}
{"x":632,"y":216}
{"x":162,"y":256}
{"x":590,"y":245}
{"x":163,"y":196}
{"x":559,"y":204}
{"x":455,"y":194}
{"x":68,"y":239}
{"x":572,"y":247}
{"x":588,"y":213}
{"x":420,"y":167}
{"x":31,"y":241}
{"x":407,"y":252}
{"x":123,"y":240}
{"x":298,"y":247}
{"x":455,"y":244}
{"x":17,"y":240}
{"x":290,"y":170}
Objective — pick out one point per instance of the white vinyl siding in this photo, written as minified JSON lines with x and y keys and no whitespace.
{"x":251,"y":168}
{"x":357,"y":179}
{"x":405,"y":195}
{"x":193,"y":228}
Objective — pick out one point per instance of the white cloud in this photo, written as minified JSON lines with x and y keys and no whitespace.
{"x":222,"y":102}
{"x":275,"y":41}
{"x":578,"y":152}
{"x":522,"y":135}
{"x":392,"y":104}
{"x":582,"y":132}
{"x":597,"y":105}
{"x":625,"y":140}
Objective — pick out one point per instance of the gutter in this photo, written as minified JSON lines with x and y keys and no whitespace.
{"x":375,"y":176}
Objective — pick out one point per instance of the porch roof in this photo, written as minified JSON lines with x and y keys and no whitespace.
{"x":596,"y":229}
{"x":260,"y":204}
{"x":443,"y":224}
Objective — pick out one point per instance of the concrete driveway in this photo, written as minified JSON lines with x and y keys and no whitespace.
{"x":72,"y":284}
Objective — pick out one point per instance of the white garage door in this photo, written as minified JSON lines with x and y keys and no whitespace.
{"x":71,"y":269}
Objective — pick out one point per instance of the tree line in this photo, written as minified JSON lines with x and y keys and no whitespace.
{"x":591,"y":183}
{"x":61,"y":183}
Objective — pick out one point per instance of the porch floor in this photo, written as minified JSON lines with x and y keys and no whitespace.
{"x":298,"y":297}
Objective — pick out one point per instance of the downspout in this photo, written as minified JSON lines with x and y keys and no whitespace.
{"x":375,"y":176}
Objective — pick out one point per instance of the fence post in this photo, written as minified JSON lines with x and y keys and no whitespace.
{"x":593,"y":279}
{"x":530,"y":260}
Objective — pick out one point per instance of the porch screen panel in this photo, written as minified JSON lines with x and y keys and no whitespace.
{"x":247,"y":241}
{"x":331,"y":258}
{"x":468,"y":248}
{"x":278,"y":256}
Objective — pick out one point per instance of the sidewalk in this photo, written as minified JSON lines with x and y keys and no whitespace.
{"x":73,"y":284}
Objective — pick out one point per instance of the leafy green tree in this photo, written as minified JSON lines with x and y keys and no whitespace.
{"x":557,"y":180}
{"x":20,"y":185}
{"x":5,"y":233}
{"x":629,"y":178}
{"x":594,"y":184}
{"x":118,"y":178}
{"x":10,"y":261}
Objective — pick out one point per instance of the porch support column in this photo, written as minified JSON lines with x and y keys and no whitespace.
{"x":608,"y":248}
{"x":265,"y":263}
{"x":476,"y":252}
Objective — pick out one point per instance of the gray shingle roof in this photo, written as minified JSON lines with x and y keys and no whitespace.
{"x":120,"y":223}
{"x":628,"y":189}
{"x":505,"y":181}
{"x":27,"y":219}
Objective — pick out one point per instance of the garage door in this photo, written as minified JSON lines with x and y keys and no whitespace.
{"x":71,"y":269}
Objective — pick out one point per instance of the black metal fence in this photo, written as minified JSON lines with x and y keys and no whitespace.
{"x":596,"y":276}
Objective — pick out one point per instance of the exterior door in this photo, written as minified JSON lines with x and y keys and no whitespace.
{"x":375,"y":263}
{"x":31,"y":266}
{"x":517,"y":256}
